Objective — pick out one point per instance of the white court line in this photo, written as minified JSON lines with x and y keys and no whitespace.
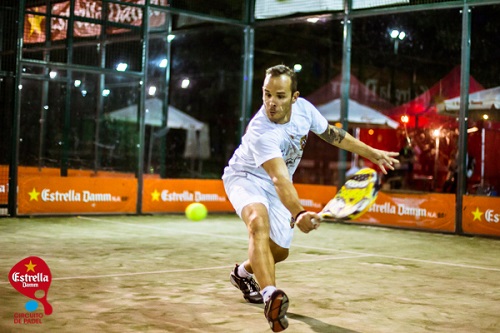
{"x":143,"y":273}
{"x":443,"y":263}
{"x":192,"y":269}
{"x":410,"y":259}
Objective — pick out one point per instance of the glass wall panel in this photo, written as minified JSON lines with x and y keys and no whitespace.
{"x":118,"y":132}
{"x":205,"y":75}
{"x":411,"y":62}
{"x":92,"y":135}
{"x":8,"y":27}
{"x":483,"y":164}
{"x":40,"y":135}
{"x":6,"y":116}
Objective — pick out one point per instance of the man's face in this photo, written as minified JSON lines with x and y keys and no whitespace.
{"x":278,"y":99}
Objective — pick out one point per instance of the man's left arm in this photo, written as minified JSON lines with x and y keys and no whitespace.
{"x":340,"y":138}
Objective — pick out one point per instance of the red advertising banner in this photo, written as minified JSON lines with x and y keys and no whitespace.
{"x":481,"y":215}
{"x":34,"y":24}
{"x":431,"y":211}
{"x":174,"y":195}
{"x":75,"y":195}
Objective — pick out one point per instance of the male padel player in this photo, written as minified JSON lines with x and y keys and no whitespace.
{"x":258,"y":182}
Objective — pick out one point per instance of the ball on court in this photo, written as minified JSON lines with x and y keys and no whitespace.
{"x":196,"y":211}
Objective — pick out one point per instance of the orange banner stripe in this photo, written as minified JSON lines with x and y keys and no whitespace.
{"x":429,"y":211}
{"x":74,"y":195}
{"x":481,"y":215}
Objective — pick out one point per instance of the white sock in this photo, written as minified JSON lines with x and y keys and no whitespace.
{"x":267,"y":292}
{"x":242,"y":272}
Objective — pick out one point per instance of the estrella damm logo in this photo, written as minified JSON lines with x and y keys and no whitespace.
{"x":31,"y":277}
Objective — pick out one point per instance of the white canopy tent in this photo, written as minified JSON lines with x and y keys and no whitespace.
{"x":483,"y":104}
{"x":359,"y":115}
{"x":488,"y":99}
{"x":197,"y":133}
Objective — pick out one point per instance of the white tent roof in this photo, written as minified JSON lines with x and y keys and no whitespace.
{"x":154,"y":116}
{"x":487,"y":99}
{"x":197,"y":145}
{"x":358,"y":114}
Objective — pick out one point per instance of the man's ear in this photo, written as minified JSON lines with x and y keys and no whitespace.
{"x":295,"y":96}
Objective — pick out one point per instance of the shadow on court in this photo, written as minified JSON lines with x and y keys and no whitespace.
{"x":318,"y":325}
{"x":166,"y":274}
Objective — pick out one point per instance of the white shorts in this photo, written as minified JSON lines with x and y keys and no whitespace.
{"x":243,"y":189}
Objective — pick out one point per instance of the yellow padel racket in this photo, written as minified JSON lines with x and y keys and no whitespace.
{"x":354,"y":198}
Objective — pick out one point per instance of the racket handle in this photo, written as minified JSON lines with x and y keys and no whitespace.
{"x":325,"y":216}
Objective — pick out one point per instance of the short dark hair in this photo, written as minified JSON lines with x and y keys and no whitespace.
{"x":284,"y":70}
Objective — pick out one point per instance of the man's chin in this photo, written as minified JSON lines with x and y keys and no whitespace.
{"x":273,"y":117}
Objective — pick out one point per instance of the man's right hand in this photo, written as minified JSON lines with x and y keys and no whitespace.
{"x":308,"y":221}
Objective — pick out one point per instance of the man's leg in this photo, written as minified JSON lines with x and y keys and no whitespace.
{"x":260,"y":258}
{"x":263,"y":254}
{"x":242,"y":276}
{"x":279,"y":254}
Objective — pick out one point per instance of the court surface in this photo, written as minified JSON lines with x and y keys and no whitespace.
{"x":166,"y":274}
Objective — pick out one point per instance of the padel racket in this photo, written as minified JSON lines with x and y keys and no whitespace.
{"x":354,"y":198}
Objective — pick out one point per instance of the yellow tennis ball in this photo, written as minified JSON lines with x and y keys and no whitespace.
{"x":196,"y":211}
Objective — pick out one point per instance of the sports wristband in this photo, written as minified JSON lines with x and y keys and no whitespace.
{"x":299,"y":213}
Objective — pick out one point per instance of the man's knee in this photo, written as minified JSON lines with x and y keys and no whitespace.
{"x":255,"y":217}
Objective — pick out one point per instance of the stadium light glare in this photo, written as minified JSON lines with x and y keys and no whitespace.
{"x":394,"y":33}
{"x":121,"y":67}
{"x":152,"y":91}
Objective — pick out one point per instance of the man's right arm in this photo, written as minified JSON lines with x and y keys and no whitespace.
{"x":277,"y":170}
